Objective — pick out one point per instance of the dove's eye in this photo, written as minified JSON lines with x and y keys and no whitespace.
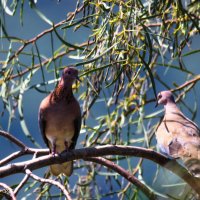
{"x":159,"y":96}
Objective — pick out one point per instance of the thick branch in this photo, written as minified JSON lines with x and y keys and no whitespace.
{"x":162,"y":160}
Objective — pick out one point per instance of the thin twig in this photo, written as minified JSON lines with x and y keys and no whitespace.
{"x":21,"y":184}
{"x":187,"y":83}
{"x":48,"y":60}
{"x":11,"y":157}
{"x":7,"y":191}
{"x":27,"y":151}
{"x":183,"y":93}
{"x":50,"y":181}
{"x":133,"y":173}
{"x":12,"y":139}
{"x":70,"y":16}
{"x":24,"y":180}
{"x":170,"y":21}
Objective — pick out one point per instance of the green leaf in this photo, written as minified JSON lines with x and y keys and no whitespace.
{"x":40,"y":61}
{"x":79,"y":21}
{"x":100,"y":68}
{"x":191,"y":53}
{"x":7,"y":9}
{"x":150,"y":75}
{"x":116,"y":78}
{"x":97,"y":57}
{"x":40,"y":14}
{"x":3,"y":29}
{"x":21,"y":12}
{"x":175,"y":67}
{"x":67,"y":43}
{"x":24,"y":86}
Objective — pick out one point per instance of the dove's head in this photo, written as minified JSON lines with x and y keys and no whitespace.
{"x":69,"y":75}
{"x":165,"y":97}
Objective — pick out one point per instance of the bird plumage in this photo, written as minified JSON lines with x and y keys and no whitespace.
{"x":60,"y":120}
{"x":178,"y":136}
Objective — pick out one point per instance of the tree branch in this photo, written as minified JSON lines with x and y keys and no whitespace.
{"x":106,"y":150}
{"x":187,"y":83}
{"x":7,"y":191}
{"x":12,"y":139}
{"x":48,"y":60}
{"x":38,"y":152}
{"x":50,"y":181}
{"x":20,"y":49}
{"x":21,"y":184}
{"x":131,"y":178}
{"x":25,"y":150}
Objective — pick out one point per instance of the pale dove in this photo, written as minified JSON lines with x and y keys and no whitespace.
{"x":177,"y":135}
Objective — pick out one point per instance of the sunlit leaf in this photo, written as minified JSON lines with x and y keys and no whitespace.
{"x":23,"y":88}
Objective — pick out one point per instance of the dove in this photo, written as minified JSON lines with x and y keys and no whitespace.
{"x":178,"y":136}
{"x":60,"y":120}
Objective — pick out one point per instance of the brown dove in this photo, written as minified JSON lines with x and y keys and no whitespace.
{"x":177,"y":136}
{"x":60,"y":120}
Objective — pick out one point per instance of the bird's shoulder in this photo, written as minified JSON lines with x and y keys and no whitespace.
{"x":178,"y":123}
{"x":45,"y":103}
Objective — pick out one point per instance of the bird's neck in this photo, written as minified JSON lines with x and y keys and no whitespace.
{"x":63,"y":92}
{"x":171,"y":107}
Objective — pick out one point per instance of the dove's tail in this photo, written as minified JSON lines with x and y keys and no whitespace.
{"x":64,"y":168}
{"x":193,"y":166}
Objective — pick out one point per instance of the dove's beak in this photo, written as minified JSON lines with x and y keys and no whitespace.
{"x":156,"y":103}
